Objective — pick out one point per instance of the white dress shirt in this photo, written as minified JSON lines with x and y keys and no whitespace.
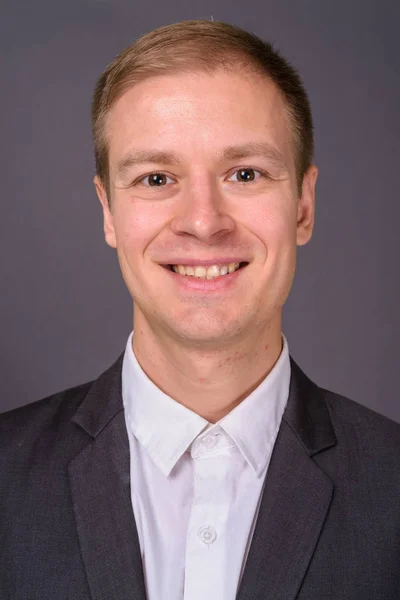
{"x":196,"y":486}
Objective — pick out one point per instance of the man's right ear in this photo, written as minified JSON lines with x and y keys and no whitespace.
{"x":108,"y":219}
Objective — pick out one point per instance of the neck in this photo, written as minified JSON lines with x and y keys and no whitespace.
{"x":210,"y":382}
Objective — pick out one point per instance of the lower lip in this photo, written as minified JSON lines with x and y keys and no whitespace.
{"x":198,"y":284}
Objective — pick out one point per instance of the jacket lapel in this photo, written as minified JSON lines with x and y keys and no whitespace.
{"x":100,"y":487}
{"x":296,"y":498}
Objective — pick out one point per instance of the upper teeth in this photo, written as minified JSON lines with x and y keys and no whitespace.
{"x":205,"y":272}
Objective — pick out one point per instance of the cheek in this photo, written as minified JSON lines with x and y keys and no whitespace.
{"x":136,"y":225}
{"x":273,"y":221}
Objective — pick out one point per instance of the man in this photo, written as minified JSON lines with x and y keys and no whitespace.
{"x":203,"y":463}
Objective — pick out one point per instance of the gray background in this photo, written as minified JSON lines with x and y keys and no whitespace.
{"x":65,"y":313}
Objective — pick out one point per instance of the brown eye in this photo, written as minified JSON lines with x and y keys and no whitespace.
{"x":244,"y":175}
{"x":156,"y":179}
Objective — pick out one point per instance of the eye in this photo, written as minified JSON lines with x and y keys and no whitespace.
{"x":245,"y":175}
{"x":155,"y":180}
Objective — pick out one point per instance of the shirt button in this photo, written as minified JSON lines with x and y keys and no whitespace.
{"x":209,"y":441}
{"x":208,"y":535}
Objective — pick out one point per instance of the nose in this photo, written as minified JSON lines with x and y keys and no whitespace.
{"x":202,"y":211}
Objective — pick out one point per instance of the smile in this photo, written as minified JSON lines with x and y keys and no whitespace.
{"x":204,"y":272}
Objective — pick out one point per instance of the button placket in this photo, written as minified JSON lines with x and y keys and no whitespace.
{"x":207,"y":534}
{"x":208,"y":519}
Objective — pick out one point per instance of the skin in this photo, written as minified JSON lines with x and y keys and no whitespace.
{"x":207,"y":349}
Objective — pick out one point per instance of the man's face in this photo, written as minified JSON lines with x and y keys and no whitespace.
{"x":202,"y":175}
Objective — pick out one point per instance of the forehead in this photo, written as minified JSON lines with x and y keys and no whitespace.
{"x":198,"y":114}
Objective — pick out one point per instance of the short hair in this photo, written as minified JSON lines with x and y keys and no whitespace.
{"x":205,"y":46}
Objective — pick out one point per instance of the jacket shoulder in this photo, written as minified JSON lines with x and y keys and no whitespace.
{"x":353,"y":412}
{"x":363,"y":427}
{"x":46,"y":414}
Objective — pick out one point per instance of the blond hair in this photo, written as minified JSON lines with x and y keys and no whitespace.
{"x":203,"y":46}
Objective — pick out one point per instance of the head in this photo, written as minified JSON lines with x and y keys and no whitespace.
{"x":203,"y":147}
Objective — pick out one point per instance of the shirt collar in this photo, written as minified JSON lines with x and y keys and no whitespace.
{"x":166,"y":428}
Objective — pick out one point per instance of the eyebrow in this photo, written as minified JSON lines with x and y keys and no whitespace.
{"x":139,"y":157}
{"x":259,"y":149}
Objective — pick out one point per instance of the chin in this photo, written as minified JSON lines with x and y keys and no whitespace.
{"x":197,"y":329}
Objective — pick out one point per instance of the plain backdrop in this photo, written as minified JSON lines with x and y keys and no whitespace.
{"x":65,"y":312}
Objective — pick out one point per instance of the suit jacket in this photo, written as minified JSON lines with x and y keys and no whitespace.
{"x":328,"y":526}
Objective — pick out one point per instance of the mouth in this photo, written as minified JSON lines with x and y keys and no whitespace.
{"x":206,"y":272}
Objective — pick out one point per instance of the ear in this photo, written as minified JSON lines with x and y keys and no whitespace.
{"x":306,"y":206}
{"x":109,"y":231}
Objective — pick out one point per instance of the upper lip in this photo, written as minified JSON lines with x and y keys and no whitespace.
{"x":209,"y":262}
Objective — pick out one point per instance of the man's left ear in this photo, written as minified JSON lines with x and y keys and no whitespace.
{"x":306,"y":206}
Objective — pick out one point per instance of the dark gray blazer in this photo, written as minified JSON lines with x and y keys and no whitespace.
{"x":328,"y":527}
